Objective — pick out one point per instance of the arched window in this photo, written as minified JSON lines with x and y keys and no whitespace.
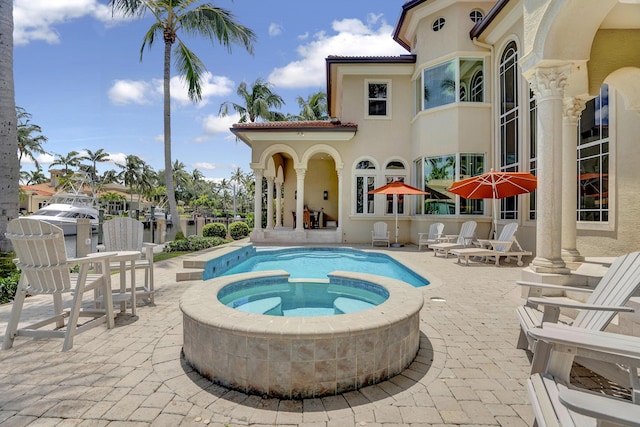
{"x":395,"y":171}
{"x":365,"y":181}
{"x":509,"y":118}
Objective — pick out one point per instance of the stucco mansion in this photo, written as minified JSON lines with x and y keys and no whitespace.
{"x":550,"y":87}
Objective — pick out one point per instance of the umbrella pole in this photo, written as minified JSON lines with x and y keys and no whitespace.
{"x":495,"y":218}
{"x":395,"y":207}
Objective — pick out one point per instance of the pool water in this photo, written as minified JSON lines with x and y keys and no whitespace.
{"x":302,"y":298}
{"x":317,"y":263}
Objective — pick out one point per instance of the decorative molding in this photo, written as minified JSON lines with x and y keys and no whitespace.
{"x":572,"y":109}
{"x":549,"y":82}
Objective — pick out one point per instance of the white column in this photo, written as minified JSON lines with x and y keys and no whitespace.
{"x":571,"y":114}
{"x":257,"y":201}
{"x":300,"y":173}
{"x":270,"y":203}
{"x":340,"y":199}
{"x":548,"y":85}
{"x":278,"y":183}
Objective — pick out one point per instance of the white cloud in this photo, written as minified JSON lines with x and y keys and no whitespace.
{"x":303,"y":36}
{"x":275,"y":29}
{"x":43,"y":159}
{"x":205,"y":166}
{"x":117,"y":158}
{"x":351,"y":37}
{"x":37,"y":19}
{"x":213,"y":125}
{"x":211,"y":86}
{"x":131,"y":92}
{"x":141,"y":92}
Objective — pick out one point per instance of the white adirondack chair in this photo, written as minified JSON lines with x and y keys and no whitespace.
{"x":42,"y":260}
{"x":556,"y":402}
{"x":380,"y":233}
{"x":125,"y":234}
{"x":464,"y":239}
{"x":435,"y":231}
{"x":615,"y":288}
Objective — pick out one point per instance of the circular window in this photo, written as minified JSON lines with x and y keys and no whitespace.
{"x":438,"y":24}
{"x":476,"y":15}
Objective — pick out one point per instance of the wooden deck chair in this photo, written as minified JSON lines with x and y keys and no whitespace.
{"x":42,"y":260}
{"x":557,"y":402}
{"x":125,"y":234}
{"x":435,"y":231}
{"x":613,"y":291}
{"x":464,"y":239}
{"x":380,"y":233}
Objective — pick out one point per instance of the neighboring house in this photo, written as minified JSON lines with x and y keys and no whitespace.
{"x":550,"y":87}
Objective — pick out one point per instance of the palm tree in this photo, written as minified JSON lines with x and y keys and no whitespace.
{"x":33,"y":177}
{"x":29,"y":145}
{"x":185,"y":16}
{"x":9,"y":178}
{"x":71,"y":159}
{"x":236,"y":181}
{"x":132,"y":172}
{"x":258,"y":101}
{"x":314,"y":107}
{"x":94,"y":157}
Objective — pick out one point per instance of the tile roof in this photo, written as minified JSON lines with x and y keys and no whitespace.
{"x":321,"y":125}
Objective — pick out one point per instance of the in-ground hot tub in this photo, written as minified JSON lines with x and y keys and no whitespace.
{"x":300,"y":357}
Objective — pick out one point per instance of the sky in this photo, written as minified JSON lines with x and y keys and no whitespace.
{"x":77,"y":71}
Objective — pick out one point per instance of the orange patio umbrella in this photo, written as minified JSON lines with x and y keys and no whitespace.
{"x":495,"y":185}
{"x":395,"y":188}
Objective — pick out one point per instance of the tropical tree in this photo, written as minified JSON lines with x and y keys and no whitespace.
{"x":184,"y":16}
{"x":33,"y":177}
{"x":132,"y":173}
{"x":10,"y":200}
{"x":96,"y":157}
{"x":314,"y":107}
{"x":29,"y":145}
{"x":72,"y":159}
{"x":258,"y":100}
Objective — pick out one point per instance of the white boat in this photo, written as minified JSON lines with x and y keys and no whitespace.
{"x":65,"y":209}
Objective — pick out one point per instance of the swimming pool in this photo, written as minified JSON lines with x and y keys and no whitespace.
{"x":315,"y":263}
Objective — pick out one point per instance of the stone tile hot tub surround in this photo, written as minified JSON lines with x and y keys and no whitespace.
{"x":300,"y":357}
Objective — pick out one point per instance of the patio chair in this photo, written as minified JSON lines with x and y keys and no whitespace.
{"x":42,"y":260}
{"x":505,"y":246}
{"x":125,"y":234}
{"x":435,"y":232}
{"x":380,"y":233}
{"x":557,"y":402}
{"x":615,"y":288}
{"x":463,"y":240}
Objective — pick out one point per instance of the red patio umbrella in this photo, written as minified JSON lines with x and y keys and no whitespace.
{"x":395,"y":188}
{"x":495,"y":185}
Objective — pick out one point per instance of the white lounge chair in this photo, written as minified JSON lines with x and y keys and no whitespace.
{"x":42,"y":260}
{"x":125,"y":234}
{"x":556,"y":402}
{"x":615,"y":288}
{"x":505,"y":246}
{"x":463,"y":240}
{"x":380,"y":233}
{"x":435,"y":232}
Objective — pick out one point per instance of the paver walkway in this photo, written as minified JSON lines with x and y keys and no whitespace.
{"x":468,"y":371}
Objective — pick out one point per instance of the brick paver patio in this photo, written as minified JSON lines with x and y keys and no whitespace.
{"x":468,"y":371}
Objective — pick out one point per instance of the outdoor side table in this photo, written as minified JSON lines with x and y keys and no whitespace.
{"x":122,"y":258}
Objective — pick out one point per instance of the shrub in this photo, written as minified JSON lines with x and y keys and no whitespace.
{"x":194,"y":243}
{"x":238,"y":230}
{"x":215,"y":229}
{"x":8,"y":286}
{"x":179,"y":236}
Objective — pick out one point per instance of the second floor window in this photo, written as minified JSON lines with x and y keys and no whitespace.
{"x":458,"y":80}
{"x":378,"y":98}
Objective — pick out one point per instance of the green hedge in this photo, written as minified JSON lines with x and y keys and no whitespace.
{"x":194,"y":243}
{"x":238,"y":230}
{"x":215,"y":229}
{"x":8,"y":286}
